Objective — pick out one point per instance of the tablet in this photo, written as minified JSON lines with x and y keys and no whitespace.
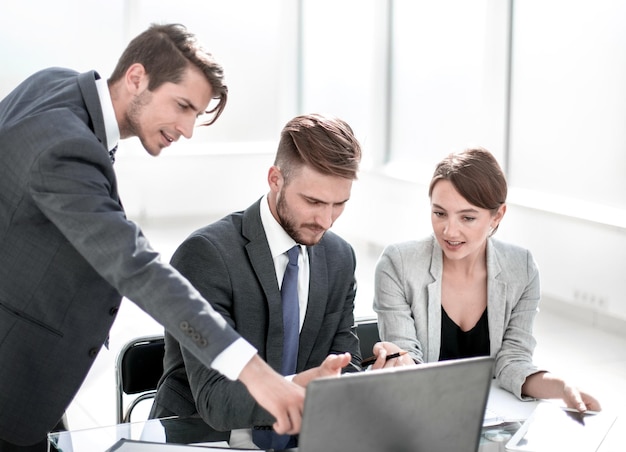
{"x":552,"y":427}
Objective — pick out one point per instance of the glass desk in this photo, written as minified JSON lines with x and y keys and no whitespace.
{"x":167,"y":430}
{"x":193,"y":431}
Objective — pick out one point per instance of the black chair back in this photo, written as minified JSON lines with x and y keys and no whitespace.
{"x":139,"y":368}
{"x":367,"y":332}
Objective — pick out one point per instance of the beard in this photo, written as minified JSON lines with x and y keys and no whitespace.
{"x":132,"y":124}
{"x":289,"y":224}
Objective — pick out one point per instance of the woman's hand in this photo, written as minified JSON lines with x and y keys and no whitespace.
{"x":383,"y":349}
{"x":544,"y":385}
{"x":579,"y":400}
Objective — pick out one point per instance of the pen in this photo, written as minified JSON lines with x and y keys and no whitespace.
{"x":371,"y":359}
{"x":574,"y":410}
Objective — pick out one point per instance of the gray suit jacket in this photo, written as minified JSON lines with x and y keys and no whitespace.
{"x":230,"y":262}
{"x":408,"y":303}
{"x":68,"y":255}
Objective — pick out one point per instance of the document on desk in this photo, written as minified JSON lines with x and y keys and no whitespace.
{"x":127,"y":445}
{"x":502,"y":406}
{"x":552,"y":427}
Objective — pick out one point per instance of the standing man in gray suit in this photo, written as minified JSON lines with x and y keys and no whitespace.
{"x":238,"y":262}
{"x":67,"y":251}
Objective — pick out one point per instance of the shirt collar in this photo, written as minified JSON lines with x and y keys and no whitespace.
{"x":278,"y":240}
{"x":110,"y":122}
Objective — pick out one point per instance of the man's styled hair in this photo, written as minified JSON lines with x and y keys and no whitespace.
{"x":166,"y":51}
{"x":324,"y":143}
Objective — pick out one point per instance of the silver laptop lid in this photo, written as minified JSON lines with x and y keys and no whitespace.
{"x":431,"y":407}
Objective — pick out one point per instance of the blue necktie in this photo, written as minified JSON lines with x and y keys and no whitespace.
{"x":268,"y":439}
{"x":291,"y":313}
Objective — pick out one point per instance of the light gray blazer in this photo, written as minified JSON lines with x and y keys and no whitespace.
{"x":408,"y":303}
{"x":68,"y":255}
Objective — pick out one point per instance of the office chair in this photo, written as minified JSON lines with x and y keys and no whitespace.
{"x":367,"y":332}
{"x":140,"y":365}
{"x":138,"y":370}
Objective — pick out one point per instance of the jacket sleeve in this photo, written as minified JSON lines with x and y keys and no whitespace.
{"x":223,"y":404}
{"x":73,"y":184}
{"x":394,"y":294}
{"x":514,"y":360}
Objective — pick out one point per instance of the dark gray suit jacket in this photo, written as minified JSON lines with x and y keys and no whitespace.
{"x":230,"y":262}
{"x":68,"y":255}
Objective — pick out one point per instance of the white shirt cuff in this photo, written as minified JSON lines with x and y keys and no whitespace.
{"x":234,"y":358}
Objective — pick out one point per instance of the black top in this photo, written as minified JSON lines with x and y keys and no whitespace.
{"x":456,"y":343}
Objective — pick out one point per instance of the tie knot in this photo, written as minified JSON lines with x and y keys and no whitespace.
{"x":112,"y":154}
{"x":293,"y":254}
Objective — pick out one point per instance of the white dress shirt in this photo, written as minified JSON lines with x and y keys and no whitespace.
{"x":108,"y":113}
{"x":280,"y":242}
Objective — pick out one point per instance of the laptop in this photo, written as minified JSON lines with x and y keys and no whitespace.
{"x":428,"y":408}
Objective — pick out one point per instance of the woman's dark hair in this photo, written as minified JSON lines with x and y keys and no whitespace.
{"x":476,"y":175}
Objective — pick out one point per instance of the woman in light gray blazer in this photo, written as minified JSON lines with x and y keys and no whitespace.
{"x":460,"y":293}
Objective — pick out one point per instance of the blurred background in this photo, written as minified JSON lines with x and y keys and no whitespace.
{"x":540,"y":83}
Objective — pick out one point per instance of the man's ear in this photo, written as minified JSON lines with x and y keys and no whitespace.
{"x":136,"y":78}
{"x":275,"y":179}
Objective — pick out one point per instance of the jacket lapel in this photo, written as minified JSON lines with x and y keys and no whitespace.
{"x":434,"y":304}
{"x":87,"y":84}
{"x":316,"y":306}
{"x":496,"y":299}
{"x":261,"y":259}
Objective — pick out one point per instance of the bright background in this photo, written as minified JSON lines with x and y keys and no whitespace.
{"x":540,"y":83}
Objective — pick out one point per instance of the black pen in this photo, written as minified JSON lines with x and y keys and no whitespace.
{"x":366,"y":362}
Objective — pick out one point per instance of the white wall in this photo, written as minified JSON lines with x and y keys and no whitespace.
{"x":566,"y":131}
{"x":191,"y":180}
{"x":581,"y":261}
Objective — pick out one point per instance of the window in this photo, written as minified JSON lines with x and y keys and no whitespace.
{"x":568,"y":137}
{"x":448,"y":82}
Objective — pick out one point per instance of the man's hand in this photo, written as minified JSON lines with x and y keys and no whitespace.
{"x":282,"y":398}
{"x":331,"y":367}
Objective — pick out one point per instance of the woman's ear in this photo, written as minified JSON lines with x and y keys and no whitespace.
{"x":497,"y":218}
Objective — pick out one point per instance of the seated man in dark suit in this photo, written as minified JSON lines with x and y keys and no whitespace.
{"x":238,"y":261}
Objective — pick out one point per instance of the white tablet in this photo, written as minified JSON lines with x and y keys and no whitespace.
{"x":552,"y":427}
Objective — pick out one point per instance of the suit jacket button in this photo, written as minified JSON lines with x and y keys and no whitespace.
{"x":93,"y":352}
{"x":187,"y":329}
{"x":113,"y":310}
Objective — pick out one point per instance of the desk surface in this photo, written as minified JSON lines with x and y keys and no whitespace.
{"x":194,"y":431}
{"x":168,"y":430}
{"x":100,"y":439}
